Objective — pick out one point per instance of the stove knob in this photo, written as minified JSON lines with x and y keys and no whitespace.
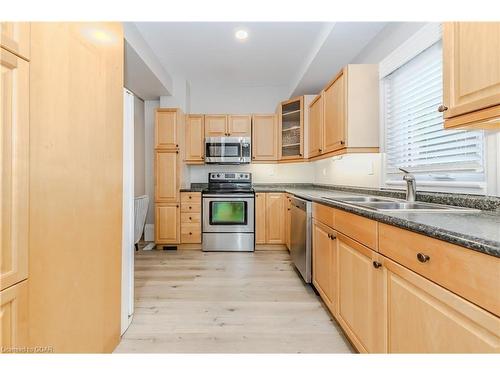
{"x":241,"y":175}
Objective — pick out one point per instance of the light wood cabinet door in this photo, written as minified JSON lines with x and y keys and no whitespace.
{"x":471,"y":76}
{"x":216,"y":126}
{"x":288,"y":220}
{"x":265,"y":138}
{"x":14,"y":160}
{"x":275,"y":225}
{"x":14,"y":317}
{"x":167,"y":225}
{"x":195,"y":136}
{"x":361,"y":310}
{"x":166,"y":129}
{"x":15,"y":37}
{"x":316,"y":127}
{"x":240,"y":125}
{"x":426,"y":318}
{"x":334,"y":114}
{"x":167,"y":176}
{"x":324,"y":257}
{"x":260,"y":218}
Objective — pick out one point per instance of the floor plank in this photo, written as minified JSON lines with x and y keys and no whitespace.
{"x":196,"y":302}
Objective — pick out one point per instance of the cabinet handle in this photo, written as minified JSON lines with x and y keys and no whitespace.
{"x":189,"y":197}
{"x":442,"y":108}
{"x":377,"y":264}
{"x":288,"y":209}
{"x":177,"y":205}
{"x":422,"y":258}
{"x":333,"y":237}
{"x":300,"y":154}
{"x":189,"y":207}
{"x":190,"y":218}
{"x":320,"y":150}
{"x":342,"y":142}
{"x":177,"y":151}
{"x":190,"y":233}
{"x":176,"y":145}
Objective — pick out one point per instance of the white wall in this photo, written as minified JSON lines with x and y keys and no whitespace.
{"x":364,"y":170}
{"x":139,"y":148}
{"x":149,"y":125}
{"x":261,"y":173}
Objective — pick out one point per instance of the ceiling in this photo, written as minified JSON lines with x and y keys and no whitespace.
{"x":296,"y":55}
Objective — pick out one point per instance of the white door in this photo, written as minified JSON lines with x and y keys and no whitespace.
{"x":128,"y":212}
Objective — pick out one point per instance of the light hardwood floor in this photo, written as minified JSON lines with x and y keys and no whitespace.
{"x":195,"y":302}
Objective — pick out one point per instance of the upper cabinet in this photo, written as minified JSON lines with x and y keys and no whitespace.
{"x":15,"y":37}
{"x":471,"y":75}
{"x":239,"y":125}
{"x":344,"y":118}
{"x":216,"y":126}
{"x":265,"y":138}
{"x":194,"y":141}
{"x":293,"y":120}
{"x":228,"y":125}
{"x":168,"y":125}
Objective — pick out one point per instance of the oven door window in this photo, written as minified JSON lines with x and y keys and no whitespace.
{"x":228,"y":213}
{"x":223,"y":149}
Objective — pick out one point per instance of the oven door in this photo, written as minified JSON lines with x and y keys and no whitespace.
{"x":226,"y":150}
{"x":229,"y":213}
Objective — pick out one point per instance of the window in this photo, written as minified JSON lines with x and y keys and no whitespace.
{"x":414,"y":137}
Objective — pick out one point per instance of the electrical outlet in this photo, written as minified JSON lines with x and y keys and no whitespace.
{"x":324,"y":171}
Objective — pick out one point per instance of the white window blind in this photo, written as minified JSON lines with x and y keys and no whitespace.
{"x":414,"y":134}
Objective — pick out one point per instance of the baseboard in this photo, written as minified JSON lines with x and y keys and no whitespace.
{"x":149,"y":232}
{"x":271,"y":247}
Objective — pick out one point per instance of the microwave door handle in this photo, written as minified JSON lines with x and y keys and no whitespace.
{"x":241,"y":151}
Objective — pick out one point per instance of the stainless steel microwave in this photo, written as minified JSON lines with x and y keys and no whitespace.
{"x":228,"y":150}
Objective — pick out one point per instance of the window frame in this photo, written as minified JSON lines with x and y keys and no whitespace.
{"x":424,"y":38}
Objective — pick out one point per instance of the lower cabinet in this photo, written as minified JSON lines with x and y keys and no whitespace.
{"x":426,"y":318}
{"x":361,"y":311}
{"x":190,"y":217}
{"x":324,"y":259}
{"x":167,"y":228}
{"x":14,"y":317}
{"x":288,"y":220}
{"x":270,"y":218}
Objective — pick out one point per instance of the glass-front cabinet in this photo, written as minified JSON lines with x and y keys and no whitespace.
{"x":293,"y":118}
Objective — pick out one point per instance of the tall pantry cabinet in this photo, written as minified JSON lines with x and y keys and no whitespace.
{"x":169,"y":125}
{"x":14,"y":159}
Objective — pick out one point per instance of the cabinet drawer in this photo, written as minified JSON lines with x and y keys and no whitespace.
{"x":470,"y":274}
{"x":324,"y":214}
{"x":191,"y":197}
{"x":190,"y":217}
{"x":190,"y":207}
{"x":357,"y":227}
{"x":190,"y":233}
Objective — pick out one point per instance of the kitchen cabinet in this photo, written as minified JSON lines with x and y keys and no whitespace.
{"x":168,"y":122}
{"x":167,"y":176}
{"x":167,"y":223}
{"x":288,"y":220}
{"x":270,"y":218}
{"x":191,"y":217}
{"x":324,"y":260}
{"x":293,"y":136}
{"x":316,"y":113}
{"x":264,"y":138}
{"x":14,"y":317}
{"x":195,"y":139}
{"x":361,"y":309}
{"x":275,"y":223}
{"x":14,"y":160}
{"x":216,"y":126}
{"x":471,"y":75}
{"x":15,"y":37}
{"x":344,"y":118}
{"x":260,"y":218}
{"x":426,"y":318}
{"x":239,"y":126}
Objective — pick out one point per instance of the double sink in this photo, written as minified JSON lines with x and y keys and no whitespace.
{"x":392,"y":204}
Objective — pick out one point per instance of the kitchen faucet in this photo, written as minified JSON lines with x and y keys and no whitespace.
{"x":411,"y":186}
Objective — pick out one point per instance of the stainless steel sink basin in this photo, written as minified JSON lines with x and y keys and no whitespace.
{"x":389,"y":204}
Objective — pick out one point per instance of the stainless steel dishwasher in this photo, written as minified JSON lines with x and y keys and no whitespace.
{"x":300,"y":237}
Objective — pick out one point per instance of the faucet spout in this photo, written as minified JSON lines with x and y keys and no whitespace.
{"x":411,"y":185}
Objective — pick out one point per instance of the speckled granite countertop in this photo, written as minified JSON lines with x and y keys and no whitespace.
{"x":479,"y":231}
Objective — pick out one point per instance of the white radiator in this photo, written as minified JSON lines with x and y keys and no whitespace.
{"x":140,"y":210}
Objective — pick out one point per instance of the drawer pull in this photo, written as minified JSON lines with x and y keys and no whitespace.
{"x":190,"y":233}
{"x":190,"y":207}
{"x":377,"y":264}
{"x":190,"y":218}
{"x":422,"y":258}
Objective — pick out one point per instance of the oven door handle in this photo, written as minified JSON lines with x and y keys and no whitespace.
{"x":226,"y":196}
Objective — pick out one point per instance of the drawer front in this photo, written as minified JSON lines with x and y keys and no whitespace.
{"x":470,"y":274}
{"x":324,"y":214}
{"x":193,"y":197}
{"x":190,"y":233}
{"x":190,"y":217}
{"x":357,"y":227}
{"x":190,"y":207}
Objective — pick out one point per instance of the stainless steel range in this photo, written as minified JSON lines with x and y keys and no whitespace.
{"x":228,"y":212}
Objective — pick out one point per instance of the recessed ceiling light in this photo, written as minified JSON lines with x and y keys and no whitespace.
{"x":241,"y":34}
